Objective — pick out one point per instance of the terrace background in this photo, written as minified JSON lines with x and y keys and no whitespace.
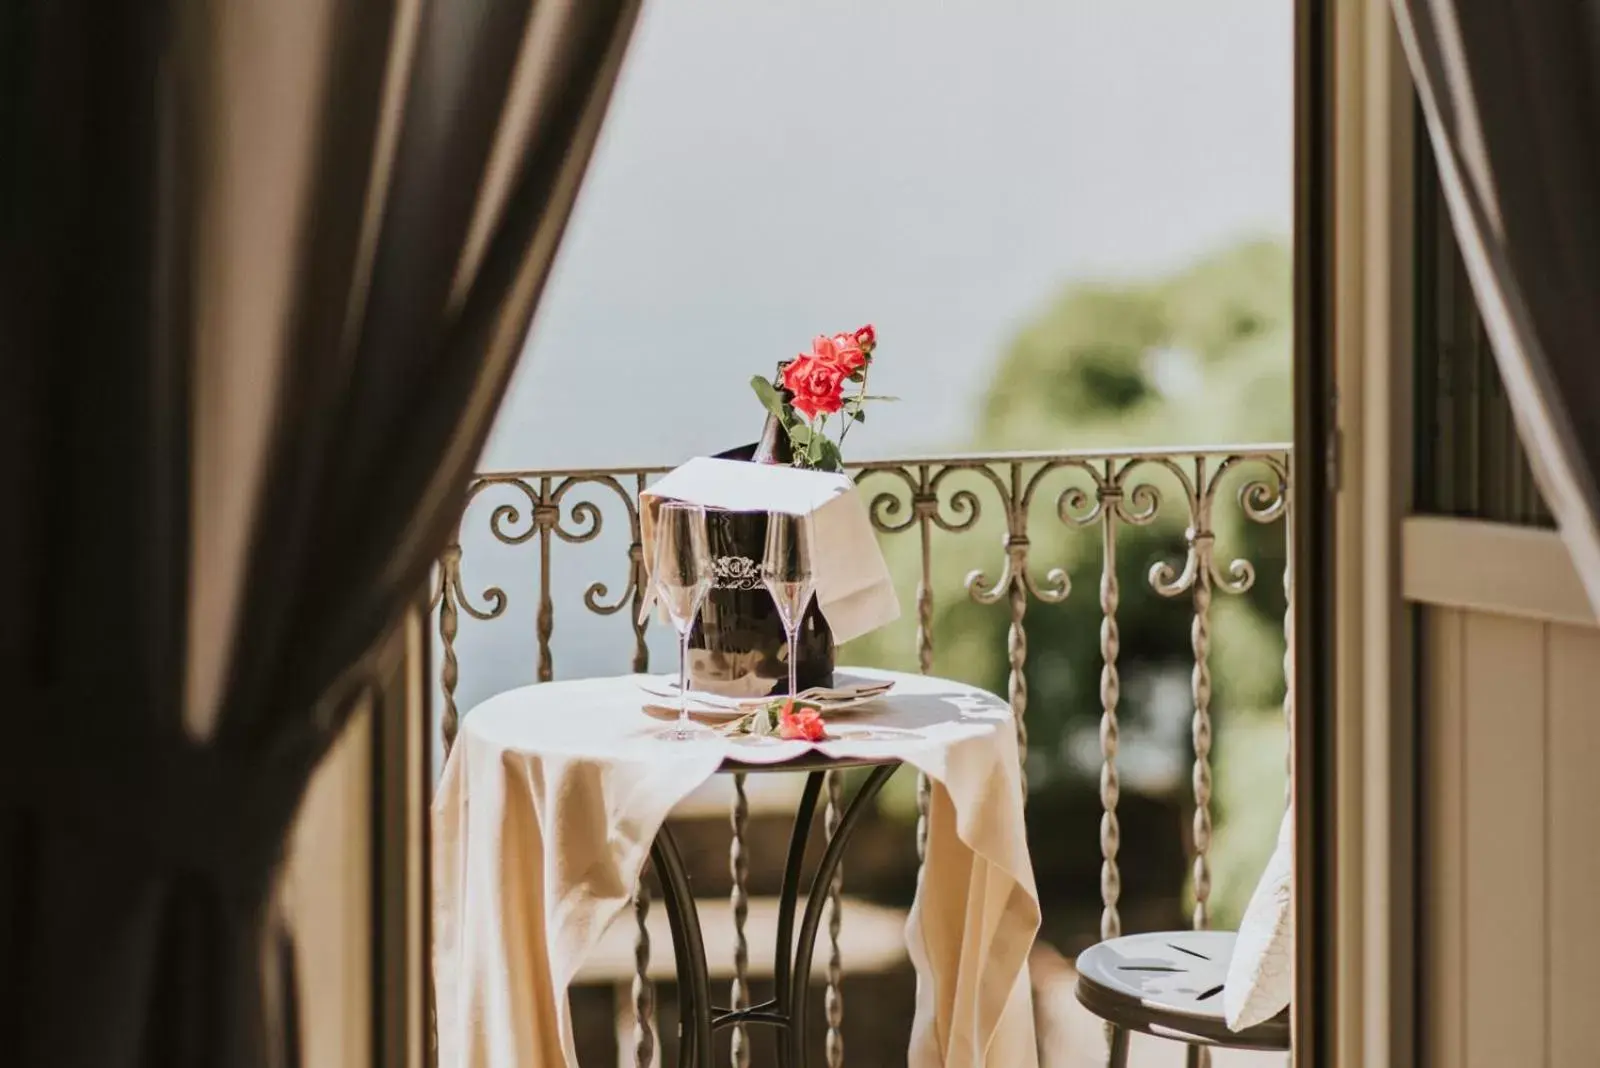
{"x":1069,"y":224}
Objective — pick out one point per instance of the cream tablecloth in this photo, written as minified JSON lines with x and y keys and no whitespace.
{"x":553,"y":794}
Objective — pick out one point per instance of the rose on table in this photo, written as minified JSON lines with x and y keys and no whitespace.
{"x":785,"y":718}
{"x":816,"y":383}
{"x":801,"y":724}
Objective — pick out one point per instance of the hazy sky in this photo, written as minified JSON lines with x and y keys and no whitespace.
{"x":773,"y":170}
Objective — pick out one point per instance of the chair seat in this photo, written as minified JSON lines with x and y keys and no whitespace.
{"x":1169,"y":984}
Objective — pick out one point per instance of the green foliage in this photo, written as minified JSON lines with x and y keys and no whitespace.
{"x":1217,"y":306}
{"x":1088,"y":370}
{"x":1200,"y":358}
{"x":1082,"y":358}
{"x":1251,"y":776}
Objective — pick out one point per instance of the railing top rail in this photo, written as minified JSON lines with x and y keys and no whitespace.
{"x":1265,"y":448}
{"x":967,"y":459}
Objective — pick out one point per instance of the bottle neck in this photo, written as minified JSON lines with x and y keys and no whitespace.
{"x":773,"y":446}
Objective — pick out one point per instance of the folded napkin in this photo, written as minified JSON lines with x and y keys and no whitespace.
{"x":1260,"y":980}
{"x":827,"y":695}
{"x":854,"y":590}
{"x":817,"y":695}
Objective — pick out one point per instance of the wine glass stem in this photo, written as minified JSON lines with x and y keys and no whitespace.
{"x":794,"y":666}
{"x":683,"y":684}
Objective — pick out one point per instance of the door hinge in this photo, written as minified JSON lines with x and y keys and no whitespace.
{"x":1334,"y":450}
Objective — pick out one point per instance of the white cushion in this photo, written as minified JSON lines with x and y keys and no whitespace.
{"x":1261,"y":975}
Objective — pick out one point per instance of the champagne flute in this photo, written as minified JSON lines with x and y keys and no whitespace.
{"x":786,"y":570}
{"x":682,"y":576}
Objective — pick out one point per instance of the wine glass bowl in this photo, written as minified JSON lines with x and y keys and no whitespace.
{"x":680,"y":575}
{"x":788,"y":573}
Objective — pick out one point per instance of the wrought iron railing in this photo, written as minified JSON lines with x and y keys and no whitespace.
{"x":1043,"y":499}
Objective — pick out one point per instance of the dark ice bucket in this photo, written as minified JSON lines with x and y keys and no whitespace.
{"x":737,"y":646}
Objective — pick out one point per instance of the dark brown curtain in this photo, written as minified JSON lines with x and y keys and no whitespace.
{"x":1511,"y":93}
{"x":267,"y":265}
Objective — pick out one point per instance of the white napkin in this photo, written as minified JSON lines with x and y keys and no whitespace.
{"x":1260,"y":980}
{"x":854,"y":590}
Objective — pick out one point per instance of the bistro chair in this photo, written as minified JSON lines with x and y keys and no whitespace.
{"x":1168,"y":984}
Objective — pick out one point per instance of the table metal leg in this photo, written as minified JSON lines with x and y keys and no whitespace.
{"x":1117,"y":1052}
{"x":788,"y":900}
{"x":694,"y":983}
{"x":815,"y":902}
{"x":786,"y":1011}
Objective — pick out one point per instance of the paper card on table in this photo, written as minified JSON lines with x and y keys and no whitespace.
{"x":854,"y":591}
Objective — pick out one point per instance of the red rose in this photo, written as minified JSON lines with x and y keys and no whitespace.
{"x":840,"y":349}
{"x":800,"y":724}
{"x":817,"y":385}
{"x":867,"y":337}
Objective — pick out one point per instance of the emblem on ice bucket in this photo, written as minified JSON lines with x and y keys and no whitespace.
{"x":735,"y":573}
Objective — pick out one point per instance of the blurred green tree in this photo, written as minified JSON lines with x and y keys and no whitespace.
{"x":1201,"y":358}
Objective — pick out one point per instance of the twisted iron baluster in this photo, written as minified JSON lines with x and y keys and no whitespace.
{"x":451,"y":599}
{"x":834,"y":1004}
{"x":1288,"y":652}
{"x":545,"y":515}
{"x":1015,"y":585}
{"x":449,"y":626}
{"x":1197,"y":579}
{"x":1017,"y":652}
{"x":926,"y":504}
{"x":739,"y":900}
{"x":1201,"y":730}
{"x":644,"y":991}
{"x":1110,"y":691}
{"x":1201,"y":539}
{"x":1017,"y":634}
{"x":1288,"y":644}
{"x":641,"y":652}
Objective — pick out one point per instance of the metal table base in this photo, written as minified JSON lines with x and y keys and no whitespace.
{"x":698,"y":1018}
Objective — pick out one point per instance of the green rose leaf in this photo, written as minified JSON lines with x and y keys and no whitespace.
{"x":827,"y":457}
{"x":770,"y":400}
{"x":799,"y":433}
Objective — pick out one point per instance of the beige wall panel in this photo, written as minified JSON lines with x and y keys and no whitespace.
{"x":1442,"y":917}
{"x":1509,"y":752}
{"x":1503,"y":750}
{"x":1573,"y":792}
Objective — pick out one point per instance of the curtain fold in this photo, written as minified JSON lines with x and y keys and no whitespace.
{"x":265,"y":269}
{"x":1511,"y":94}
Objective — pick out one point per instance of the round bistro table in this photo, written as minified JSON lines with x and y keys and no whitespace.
{"x":555,"y":796}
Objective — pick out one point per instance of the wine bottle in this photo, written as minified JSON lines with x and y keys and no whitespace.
{"x":774,"y":446}
{"x":738,"y":644}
